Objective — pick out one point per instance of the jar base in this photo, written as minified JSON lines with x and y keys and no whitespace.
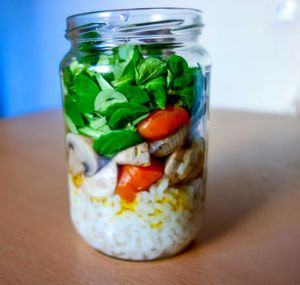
{"x":184,"y":248}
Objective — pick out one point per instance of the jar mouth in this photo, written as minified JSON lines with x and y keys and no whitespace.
{"x":139,"y":24}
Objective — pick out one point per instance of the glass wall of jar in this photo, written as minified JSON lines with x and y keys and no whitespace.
{"x":135,"y":94}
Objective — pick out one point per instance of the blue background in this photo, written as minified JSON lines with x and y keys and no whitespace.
{"x":32,"y":44}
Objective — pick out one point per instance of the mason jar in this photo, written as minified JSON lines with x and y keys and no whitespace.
{"x":135,"y":87}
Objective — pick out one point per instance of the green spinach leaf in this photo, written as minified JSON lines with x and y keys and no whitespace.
{"x":183,"y":81}
{"x":124,"y":69}
{"x":125,"y":52}
{"x":157,"y":81}
{"x":149,"y":69}
{"x":106,"y":60}
{"x":107,"y":98}
{"x":177,"y":67}
{"x":86,"y":91}
{"x":139,"y":119}
{"x":120,"y":118}
{"x":72,"y":111}
{"x":67,"y":78}
{"x":118,"y":71}
{"x":134,"y":94}
{"x":113,"y":142}
{"x":158,"y":97}
{"x":187,"y":96}
{"x":89,"y":41}
{"x":136,"y":109}
{"x":89,"y":59}
{"x":157,"y":92}
{"x":102,"y":82}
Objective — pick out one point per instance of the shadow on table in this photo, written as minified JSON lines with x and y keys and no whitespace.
{"x":237,"y":185}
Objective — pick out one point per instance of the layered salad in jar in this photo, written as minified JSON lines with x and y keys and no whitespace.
{"x":136,"y":147}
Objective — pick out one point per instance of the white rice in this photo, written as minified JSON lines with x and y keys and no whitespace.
{"x":158,"y":223}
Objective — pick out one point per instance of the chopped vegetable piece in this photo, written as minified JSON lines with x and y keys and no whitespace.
{"x":126,"y":192}
{"x":135,"y":155}
{"x":134,"y":179}
{"x":161,"y":123}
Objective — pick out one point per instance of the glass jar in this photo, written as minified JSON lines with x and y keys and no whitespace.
{"x":135,"y":91}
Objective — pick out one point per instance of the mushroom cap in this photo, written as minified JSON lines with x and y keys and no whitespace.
{"x":169,"y":144}
{"x":81,"y":156}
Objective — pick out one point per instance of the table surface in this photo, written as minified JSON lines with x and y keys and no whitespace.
{"x":251,"y":233}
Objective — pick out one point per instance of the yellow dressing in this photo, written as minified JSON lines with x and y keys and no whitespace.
{"x":126,"y":206}
{"x":156,"y":212}
{"x":77,"y":180}
{"x":157,"y":226}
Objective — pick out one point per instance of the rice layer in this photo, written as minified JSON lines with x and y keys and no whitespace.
{"x":158,"y":223}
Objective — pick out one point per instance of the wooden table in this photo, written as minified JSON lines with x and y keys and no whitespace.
{"x":252,"y":227}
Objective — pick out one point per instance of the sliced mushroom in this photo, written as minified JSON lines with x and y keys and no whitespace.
{"x":172,"y":164}
{"x":81,"y":156}
{"x":103,"y":183}
{"x":135,"y":155}
{"x":195,"y":173}
{"x":198,"y":170}
{"x":185,"y":163}
{"x":169,"y":144}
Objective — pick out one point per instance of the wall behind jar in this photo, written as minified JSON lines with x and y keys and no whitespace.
{"x":254,"y":46}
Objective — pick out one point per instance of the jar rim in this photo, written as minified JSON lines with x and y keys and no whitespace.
{"x":137,"y":22}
